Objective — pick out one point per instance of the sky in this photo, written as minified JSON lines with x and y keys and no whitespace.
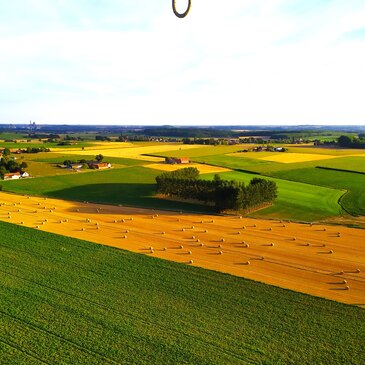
{"x":232,"y":62}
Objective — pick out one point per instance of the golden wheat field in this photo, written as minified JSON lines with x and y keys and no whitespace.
{"x":326,"y":261}
{"x":129,"y":150}
{"x":295,"y":157}
{"x":203,"y":169}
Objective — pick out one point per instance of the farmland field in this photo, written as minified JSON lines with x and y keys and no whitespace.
{"x":69,"y":301}
{"x":203,"y":169}
{"x":132,"y":151}
{"x":298,"y":201}
{"x":136,"y":186}
{"x":303,"y":263}
{"x":353,"y":201}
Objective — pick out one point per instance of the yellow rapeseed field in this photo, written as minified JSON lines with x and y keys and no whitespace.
{"x":129,"y":151}
{"x":203,"y":169}
{"x":284,"y":157}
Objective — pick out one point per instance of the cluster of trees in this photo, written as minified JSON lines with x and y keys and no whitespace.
{"x":7,"y":164}
{"x":83,"y":162}
{"x":36,"y":150}
{"x":352,"y":142}
{"x":224,"y":194}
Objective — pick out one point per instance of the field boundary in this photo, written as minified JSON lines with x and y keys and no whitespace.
{"x":340,"y":170}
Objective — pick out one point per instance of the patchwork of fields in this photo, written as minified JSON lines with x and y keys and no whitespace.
{"x":65,"y":300}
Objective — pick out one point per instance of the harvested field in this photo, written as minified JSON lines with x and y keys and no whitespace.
{"x":326,"y":261}
{"x":295,"y":157}
{"x":203,"y":169}
{"x":131,"y":151}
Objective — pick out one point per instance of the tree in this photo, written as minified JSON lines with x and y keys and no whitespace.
{"x":6,"y":152}
{"x":23,"y":165}
{"x":344,"y":141}
{"x":99,"y":157}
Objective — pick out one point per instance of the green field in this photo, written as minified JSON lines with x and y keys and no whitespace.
{"x":131,"y":186}
{"x":353,"y":202}
{"x":136,"y":186}
{"x":66,"y":301}
{"x":347,"y":163}
{"x":302,"y":202}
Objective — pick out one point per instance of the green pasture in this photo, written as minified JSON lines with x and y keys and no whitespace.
{"x":297,"y":201}
{"x":67,"y":301}
{"x":59,"y":158}
{"x":130,"y":185}
{"x":355,"y":163}
{"x":353,"y":201}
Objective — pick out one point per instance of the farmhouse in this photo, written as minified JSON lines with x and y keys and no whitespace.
{"x":174,"y":160}
{"x":12,"y":176}
{"x":100,"y":165}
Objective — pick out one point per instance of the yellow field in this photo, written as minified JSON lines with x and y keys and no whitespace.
{"x":284,"y":157}
{"x":326,"y":261}
{"x":129,"y":150}
{"x":203,"y":169}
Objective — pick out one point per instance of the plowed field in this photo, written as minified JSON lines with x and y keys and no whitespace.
{"x":327,"y":261}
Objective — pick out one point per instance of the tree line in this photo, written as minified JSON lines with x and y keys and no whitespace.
{"x":223,"y":194}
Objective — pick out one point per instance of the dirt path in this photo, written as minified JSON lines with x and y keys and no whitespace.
{"x":318,"y":260}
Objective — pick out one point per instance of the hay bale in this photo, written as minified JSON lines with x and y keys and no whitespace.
{"x":222,"y":240}
{"x":165,"y":248}
{"x":294,"y":238}
{"x":220,"y":253}
{"x":205,"y":231}
{"x":181,"y":246}
{"x":201,"y":245}
{"x":189,"y":252}
{"x":272,"y":244}
{"x":330,"y":251}
{"x":191,"y":262}
{"x":21,"y":222}
{"x":192,"y":237}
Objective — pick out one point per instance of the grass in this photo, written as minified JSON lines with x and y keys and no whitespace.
{"x":353,"y":202}
{"x":136,"y":186}
{"x":113,"y":160}
{"x":130,"y":186}
{"x":69,"y":301}
{"x":297,"y":201}
{"x":355,"y":163}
